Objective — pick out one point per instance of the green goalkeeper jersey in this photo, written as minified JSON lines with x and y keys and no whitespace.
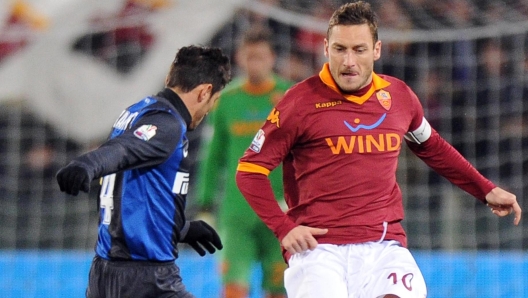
{"x":239,"y":114}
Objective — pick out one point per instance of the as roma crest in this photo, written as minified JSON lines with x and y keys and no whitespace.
{"x":384,"y":99}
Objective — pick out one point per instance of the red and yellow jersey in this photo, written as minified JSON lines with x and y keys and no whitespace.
{"x":340,"y":154}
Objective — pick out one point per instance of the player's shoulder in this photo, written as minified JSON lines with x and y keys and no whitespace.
{"x":156,"y":108}
{"x":394,"y":81}
{"x":146,"y":103}
{"x":304,"y":88}
{"x":158,"y":103}
{"x":399,"y":90}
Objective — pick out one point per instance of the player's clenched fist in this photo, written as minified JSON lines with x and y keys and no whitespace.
{"x":301,"y":238}
{"x":73,"y":178}
{"x":503,"y":203}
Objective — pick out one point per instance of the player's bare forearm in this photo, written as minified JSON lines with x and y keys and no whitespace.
{"x":503,"y":203}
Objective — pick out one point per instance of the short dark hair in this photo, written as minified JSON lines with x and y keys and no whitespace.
{"x":195,"y":65}
{"x":257,"y":34}
{"x":356,"y":13}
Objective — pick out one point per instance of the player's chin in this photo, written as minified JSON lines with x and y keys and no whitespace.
{"x":349,"y":88}
{"x":349,"y":85}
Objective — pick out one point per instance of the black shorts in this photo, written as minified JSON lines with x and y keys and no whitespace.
{"x":135,"y":279}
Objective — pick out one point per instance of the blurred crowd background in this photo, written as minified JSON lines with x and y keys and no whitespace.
{"x":467,"y":60}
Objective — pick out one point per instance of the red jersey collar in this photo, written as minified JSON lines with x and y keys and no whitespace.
{"x":377,"y":84}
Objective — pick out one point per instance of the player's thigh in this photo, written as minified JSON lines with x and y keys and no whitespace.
{"x":396,"y":272}
{"x":96,"y":277}
{"x":127,"y":279}
{"x":317,"y":273}
{"x":271,"y":259}
{"x":238,"y":254}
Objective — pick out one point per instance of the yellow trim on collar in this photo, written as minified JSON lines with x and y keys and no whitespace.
{"x":377,"y":84}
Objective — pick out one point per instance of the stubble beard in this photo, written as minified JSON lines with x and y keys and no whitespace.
{"x":354,"y":87}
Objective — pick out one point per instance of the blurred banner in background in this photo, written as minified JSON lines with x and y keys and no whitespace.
{"x":78,"y":63}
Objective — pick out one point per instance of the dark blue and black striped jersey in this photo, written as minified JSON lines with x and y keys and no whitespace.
{"x":145,"y":180}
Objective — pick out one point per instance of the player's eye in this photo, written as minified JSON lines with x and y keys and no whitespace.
{"x":360,"y":50}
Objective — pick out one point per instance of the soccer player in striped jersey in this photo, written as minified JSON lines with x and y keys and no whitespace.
{"x":145,"y":178}
{"x":338,"y":135}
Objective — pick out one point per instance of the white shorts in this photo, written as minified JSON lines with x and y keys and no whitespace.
{"x":365,"y":270}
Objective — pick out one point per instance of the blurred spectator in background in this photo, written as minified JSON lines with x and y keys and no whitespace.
{"x":495,"y":99}
{"x":309,"y":40}
{"x":393,"y":57}
{"x":39,"y":199}
{"x":460,"y":13}
{"x":39,"y":162}
{"x":33,"y":212}
{"x":226,"y":37}
{"x":294,"y":66}
{"x":240,"y":112}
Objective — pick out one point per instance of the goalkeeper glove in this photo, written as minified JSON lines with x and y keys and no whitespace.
{"x":73,"y":178}
{"x":198,"y":233}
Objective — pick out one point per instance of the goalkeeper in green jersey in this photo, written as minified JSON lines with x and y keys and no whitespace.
{"x":242,"y":109}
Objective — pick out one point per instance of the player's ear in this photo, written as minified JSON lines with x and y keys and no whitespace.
{"x":377,"y":50}
{"x":206,"y":91}
{"x":325,"y":47}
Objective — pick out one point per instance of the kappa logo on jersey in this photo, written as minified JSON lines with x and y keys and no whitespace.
{"x":320,"y":105}
{"x":384,"y":98}
{"x":273,"y":117}
{"x":145,"y":132}
{"x":258,"y":141}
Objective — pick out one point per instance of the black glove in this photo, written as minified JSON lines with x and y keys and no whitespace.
{"x":201,"y":233}
{"x":74,"y":177}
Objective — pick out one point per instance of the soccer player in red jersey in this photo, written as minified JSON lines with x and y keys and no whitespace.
{"x":338,"y":135}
